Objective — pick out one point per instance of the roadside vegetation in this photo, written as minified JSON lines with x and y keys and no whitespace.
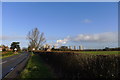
{"x":36,"y":68}
{"x":7,"y":54}
{"x":77,"y":66}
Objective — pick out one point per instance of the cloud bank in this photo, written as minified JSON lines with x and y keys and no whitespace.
{"x":101,"y":37}
{"x":12,"y":37}
{"x":64,"y":41}
{"x":107,"y":37}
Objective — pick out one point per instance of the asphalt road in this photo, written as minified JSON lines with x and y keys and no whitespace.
{"x":8,"y":64}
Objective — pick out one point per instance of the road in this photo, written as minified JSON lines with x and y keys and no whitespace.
{"x":8,"y":64}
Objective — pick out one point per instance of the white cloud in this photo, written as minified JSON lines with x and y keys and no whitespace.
{"x":12,"y":37}
{"x":64,"y":41}
{"x":59,"y":42}
{"x":7,"y":40}
{"x":86,"y":21}
{"x":106,"y":37}
{"x":101,"y":37}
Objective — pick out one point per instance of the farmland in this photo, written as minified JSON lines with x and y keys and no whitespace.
{"x":99,"y":52}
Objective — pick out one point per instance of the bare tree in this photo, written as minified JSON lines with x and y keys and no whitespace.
{"x":36,"y":39}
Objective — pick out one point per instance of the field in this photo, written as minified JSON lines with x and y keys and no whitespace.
{"x":84,"y":64}
{"x":7,"y":54}
{"x":99,"y":52}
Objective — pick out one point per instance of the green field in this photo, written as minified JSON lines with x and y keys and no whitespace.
{"x":99,"y":52}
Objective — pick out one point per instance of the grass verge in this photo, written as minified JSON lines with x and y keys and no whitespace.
{"x":7,"y":54}
{"x":36,"y":68}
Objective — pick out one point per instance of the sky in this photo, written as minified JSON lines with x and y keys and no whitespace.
{"x":0,"y":21}
{"x":91,"y":24}
{"x":60,"y":0}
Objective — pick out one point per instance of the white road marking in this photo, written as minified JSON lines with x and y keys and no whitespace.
{"x":3,"y":62}
{"x":10,"y":59}
{"x":11,"y":69}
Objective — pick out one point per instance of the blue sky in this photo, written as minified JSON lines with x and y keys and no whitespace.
{"x":91,"y":24}
{"x":59,"y":0}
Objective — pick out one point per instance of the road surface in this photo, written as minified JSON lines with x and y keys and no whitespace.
{"x":9,"y":63}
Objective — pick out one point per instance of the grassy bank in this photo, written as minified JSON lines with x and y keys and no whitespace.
{"x":7,"y":54}
{"x":36,"y":69}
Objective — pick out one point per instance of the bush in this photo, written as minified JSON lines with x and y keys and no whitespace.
{"x":78,"y":66}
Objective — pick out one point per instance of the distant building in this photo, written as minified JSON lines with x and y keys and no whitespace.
{"x":54,"y":46}
{"x":74,"y":47}
{"x":80,"y":47}
{"x":70,"y":47}
{"x":4,"y":48}
{"x":47,"y":47}
{"x":0,"y":48}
